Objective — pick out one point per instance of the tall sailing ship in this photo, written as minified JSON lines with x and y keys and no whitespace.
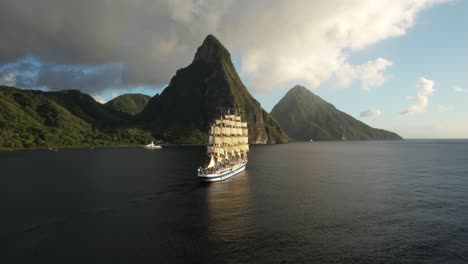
{"x":227,"y":148}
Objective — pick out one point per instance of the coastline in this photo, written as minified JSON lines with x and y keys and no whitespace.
{"x":68,"y":147}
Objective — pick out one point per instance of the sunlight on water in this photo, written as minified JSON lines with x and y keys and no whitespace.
{"x":328,"y":202}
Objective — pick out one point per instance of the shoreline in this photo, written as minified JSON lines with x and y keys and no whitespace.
{"x":68,"y":147}
{"x":170,"y":145}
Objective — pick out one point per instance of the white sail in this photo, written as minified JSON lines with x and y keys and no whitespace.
{"x":234,"y":140}
{"x":218,"y":140}
{"x":228,"y":146}
{"x":209,"y":149}
{"x":226,"y":131}
{"x":227,"y":140}
{"x":212,"y":162}
{"x":219,"y":151}
{"x":229,"y":149}
{"x":244,"y":147}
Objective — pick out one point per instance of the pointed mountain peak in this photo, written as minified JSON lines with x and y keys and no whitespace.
{"x":212,"y":50}
{"x":301,"y":91}
{"x":305,"y":116}
{"x":299,"y":88}
{"x":194,"y":98}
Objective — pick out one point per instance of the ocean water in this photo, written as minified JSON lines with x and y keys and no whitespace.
{"x":320,"y":202}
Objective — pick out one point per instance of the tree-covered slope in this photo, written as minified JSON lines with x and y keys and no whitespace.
{"x":31,"y":119}
{"x":129,"y":103}
{"x":304,"y":116}
{"x":199,"y":93}
{"x":85,"y":107}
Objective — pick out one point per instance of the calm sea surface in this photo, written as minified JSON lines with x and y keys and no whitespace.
{"x":331,"y":202}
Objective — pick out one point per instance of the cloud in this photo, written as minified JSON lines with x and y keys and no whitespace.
{"x":98,"y":98}
{"x":275,"y":42}
{"x":425,"y":89}
{"x":458,"y":89}
{"x":370,"y":113}
{"x":370,"y":74}
{"x":445,"y":108}
{"x":88,"y":79}
{"x":408,"y":98}
{"x":8,"y":79}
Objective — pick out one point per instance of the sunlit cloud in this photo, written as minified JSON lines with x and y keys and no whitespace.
{"x":425,"y":89}
{"x":370,"y":114}
{"x":99,"y":98}
{"x":8,"y":79}
{"x":370,"y":74}
{"x":444,"y":108}
{"x":459,"y":89}
{"x":275,"y":42}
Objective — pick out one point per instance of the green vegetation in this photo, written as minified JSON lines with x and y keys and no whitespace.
{"x":35,"y":119}
{"x":199,"y":93}
{"x":304,"y":116}
{"x":195,"y":97}
{"x":129,"y":103}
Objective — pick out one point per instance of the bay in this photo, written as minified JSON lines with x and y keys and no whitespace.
{"x":321,"y":202}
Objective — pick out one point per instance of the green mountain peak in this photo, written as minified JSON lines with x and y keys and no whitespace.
{"x":32,"y":118}
{"x":304,"y":116}
{"x":211,"y":51}
{"x":129,"y":103}
{"x":198,"y":94}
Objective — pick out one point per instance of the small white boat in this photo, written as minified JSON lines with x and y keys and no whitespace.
{"x":152,"y":146}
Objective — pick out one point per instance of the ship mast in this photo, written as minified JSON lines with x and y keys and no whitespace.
{"x":228,"y":140}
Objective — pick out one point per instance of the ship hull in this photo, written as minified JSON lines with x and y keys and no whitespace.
{"x":213,"y":177}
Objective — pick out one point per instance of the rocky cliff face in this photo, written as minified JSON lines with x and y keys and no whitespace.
{"x":199,"y":93}
{"x":304,"y":116}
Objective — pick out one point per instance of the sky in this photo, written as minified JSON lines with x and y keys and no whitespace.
{"x":401,"y":65}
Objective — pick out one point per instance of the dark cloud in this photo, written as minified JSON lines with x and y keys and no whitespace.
{"x":140,"y":34}
{"x":84,"y":78}
{"x":276,"y":41}
{"x":32,"y":74}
